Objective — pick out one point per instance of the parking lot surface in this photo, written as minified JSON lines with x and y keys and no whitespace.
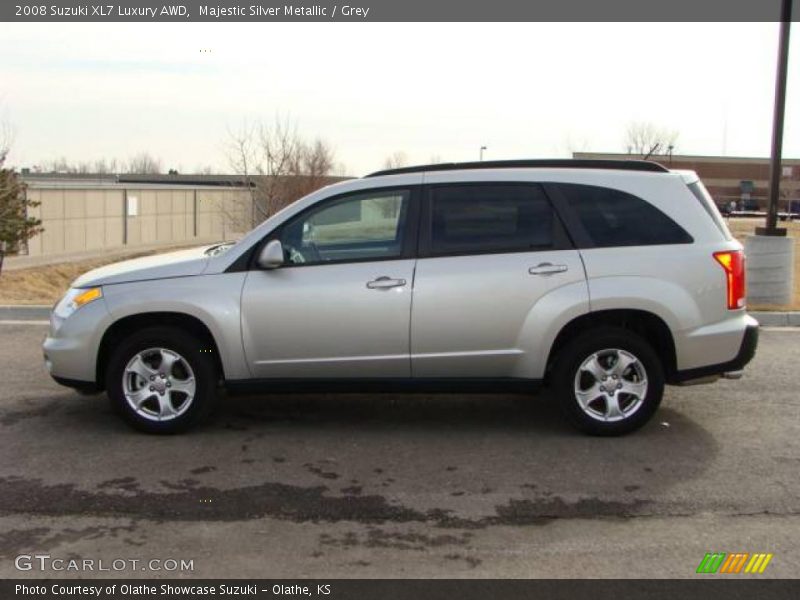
{"x":366,"y":485}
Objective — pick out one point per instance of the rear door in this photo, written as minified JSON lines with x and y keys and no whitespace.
{"x":488,"y":253}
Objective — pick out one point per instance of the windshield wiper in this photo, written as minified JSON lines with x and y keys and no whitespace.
{"x":218,"y":248}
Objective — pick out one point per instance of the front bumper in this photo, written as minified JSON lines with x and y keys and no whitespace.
{"x":70,"y":349}
{"x":747,"y":351}
{"x":82,"y":387}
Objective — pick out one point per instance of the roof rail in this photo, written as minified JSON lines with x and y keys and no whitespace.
{"x":554,"y":163}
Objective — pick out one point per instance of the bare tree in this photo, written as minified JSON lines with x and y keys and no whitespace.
{"x":104,"y":166}
{"x":396,"y":160}
{"x":647,"y":139}
{"x":62,"y":165}
{"x":278,"y":165}
{"x":315,"y":162}
{"x":144,"y":164}
{"x":575,"y":145}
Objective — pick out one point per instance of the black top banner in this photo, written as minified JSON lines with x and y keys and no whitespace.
{"x":360,"y":11}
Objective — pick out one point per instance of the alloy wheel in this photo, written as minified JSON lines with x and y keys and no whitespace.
{"x":610,"y":385}
{"x":159,"y":384}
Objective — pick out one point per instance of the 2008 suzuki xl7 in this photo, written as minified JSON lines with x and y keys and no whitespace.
{"x":604,"y":279}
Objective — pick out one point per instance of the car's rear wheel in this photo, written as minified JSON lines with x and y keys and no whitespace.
{"x":608,"y":381}
{"x":160,"y":380}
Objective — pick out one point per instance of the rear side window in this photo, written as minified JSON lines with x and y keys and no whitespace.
{"x":616,"y":218}
{"x":707,"y":202}
{"x":478,"y":219}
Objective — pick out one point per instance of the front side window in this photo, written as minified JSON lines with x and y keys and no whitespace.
{"x":616,"y":218}
{"x":368,"y":226}
{"x":478,"y":219}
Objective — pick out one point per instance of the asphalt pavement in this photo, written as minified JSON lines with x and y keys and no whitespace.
{"x":389,"y":485}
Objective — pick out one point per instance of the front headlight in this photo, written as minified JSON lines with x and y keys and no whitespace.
{"x":73,"y":300}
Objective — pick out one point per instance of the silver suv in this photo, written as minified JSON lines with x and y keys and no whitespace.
{"x":605,"y":280}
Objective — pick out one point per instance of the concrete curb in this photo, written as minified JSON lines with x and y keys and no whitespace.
{"x":42,"y":312}
{"x":24,"y":312}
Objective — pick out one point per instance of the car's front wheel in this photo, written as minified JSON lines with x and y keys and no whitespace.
{"x":608,"y":381}
{"x":161,"y":380}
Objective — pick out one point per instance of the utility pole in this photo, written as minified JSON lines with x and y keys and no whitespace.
{"x":770,"y":253}
{"x":771,"y":228}
{"x":482,"y":149}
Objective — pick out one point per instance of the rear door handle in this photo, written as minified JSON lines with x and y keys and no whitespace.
{"x":384,"y":283}
{"x":547,"y":269}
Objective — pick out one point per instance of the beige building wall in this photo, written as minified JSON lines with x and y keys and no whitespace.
{"x":79,"y":219}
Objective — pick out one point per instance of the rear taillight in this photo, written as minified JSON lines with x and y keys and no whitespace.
{"x":733,"y":263}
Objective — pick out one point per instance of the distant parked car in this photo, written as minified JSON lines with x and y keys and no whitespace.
{"x":726,"y":208}
{"x":605,"y":280}
{"x":749,"y":205}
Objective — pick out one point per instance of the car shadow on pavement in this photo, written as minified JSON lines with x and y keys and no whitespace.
{"x":394,"y":410}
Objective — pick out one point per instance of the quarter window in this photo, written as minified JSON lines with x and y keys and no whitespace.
{"x":475,"y":219}
{"x":616,"y":218}
{"x":365,"y":227}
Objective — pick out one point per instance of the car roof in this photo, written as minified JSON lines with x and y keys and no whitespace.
{"x":621,"y":165}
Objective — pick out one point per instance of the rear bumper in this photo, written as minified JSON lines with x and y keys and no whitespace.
{"x":747,"y":351}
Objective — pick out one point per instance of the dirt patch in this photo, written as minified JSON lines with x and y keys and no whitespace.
{"x":320,"y":471}
{"x":16,"y":541}
{"x":128,"y":484}
{"x":13,"y":417}
{"x":533,"y":512}
{"x":201,"y":470}
{"x":396,"y":540}
{"x":187,"y":500}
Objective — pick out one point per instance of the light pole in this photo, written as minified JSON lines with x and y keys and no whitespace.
{"x":482,"y":149}
{"x":770,"y":254}
{"x":777,"y":125}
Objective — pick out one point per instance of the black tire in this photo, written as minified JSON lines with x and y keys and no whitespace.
{"x":191,"y":350}
{"x":567,"y":367}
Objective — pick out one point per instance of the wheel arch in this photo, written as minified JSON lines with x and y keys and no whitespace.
{"x":124,"y":326}
{"x":648,"y":325}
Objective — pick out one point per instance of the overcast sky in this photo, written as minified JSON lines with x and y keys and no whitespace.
{"x":88,"y":91}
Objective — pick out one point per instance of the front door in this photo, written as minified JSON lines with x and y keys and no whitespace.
{"x":340,"y":306}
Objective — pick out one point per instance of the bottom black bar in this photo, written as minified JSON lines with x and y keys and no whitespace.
{"x":705,"y":587}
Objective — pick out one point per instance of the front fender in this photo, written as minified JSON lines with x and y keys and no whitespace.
{"x":213,"y":299}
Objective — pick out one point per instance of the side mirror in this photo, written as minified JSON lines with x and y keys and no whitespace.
{"x":271,"y":256}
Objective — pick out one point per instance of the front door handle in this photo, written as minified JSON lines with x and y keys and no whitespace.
{"x":547,"y":269}
{"x":384,"y":283}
